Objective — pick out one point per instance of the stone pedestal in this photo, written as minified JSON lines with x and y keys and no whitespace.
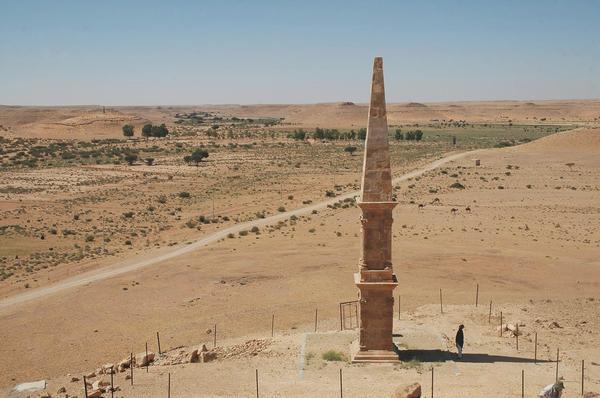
{"x":376,"y":321}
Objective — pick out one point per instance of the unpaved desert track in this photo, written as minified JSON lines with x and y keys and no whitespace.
{"x":138,"y":263}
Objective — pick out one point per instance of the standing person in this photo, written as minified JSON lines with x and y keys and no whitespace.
{"x":460,"y":340}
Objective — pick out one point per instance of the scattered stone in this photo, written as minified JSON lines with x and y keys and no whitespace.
{"x":74,"y":379}
{"x":411,"y":391}
{"x":96,"y":385}
{"x":142,"y":360}
{"x":124,"y":364}
{"x":95,"y":394}
{"x":249,"y":348}
{"x":207,"y":356}
{"x":510,"y":328}
{"x":90,"y":375}
{"x":108,"y":368}
{"x":193,"y":356}
{"x":554,"y":325}
{"x":61,"y":390}
{"x":590,"y":394}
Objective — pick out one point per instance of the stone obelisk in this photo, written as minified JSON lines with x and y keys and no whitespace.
{"x":375,"y":279}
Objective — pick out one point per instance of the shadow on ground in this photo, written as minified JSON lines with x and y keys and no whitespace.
{"x":443,"y":355}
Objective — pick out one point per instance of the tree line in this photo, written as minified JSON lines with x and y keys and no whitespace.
{"x":148,"y":130}
{"x":361,"y":135}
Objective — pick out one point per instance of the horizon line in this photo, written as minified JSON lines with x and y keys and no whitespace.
{"x":295,"y":103}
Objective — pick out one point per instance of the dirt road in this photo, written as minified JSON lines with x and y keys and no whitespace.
{"x":171,"y":252}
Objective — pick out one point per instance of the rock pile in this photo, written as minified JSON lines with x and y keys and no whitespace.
{"x":247,"y":349}
{"x":512,"y":329}
{"x":201,"y":355}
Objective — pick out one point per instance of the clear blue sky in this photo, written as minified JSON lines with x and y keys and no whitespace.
{"x":56,"y":52}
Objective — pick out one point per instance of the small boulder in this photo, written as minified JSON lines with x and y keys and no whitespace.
{"x":108,"y":368}
{"x":193,"y":356}
{"x":142,"y":359}
{"x":207,"y":356}
{"x":411,"y":391}
{"x":61,"y":390}
{"x":95,"y":394}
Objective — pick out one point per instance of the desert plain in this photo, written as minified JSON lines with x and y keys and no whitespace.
{"x":101,"y":248}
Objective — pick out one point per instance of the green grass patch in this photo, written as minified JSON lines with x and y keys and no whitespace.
{"x":333,"y":355}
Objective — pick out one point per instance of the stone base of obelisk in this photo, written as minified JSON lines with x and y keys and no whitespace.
{"x":376,"y":309}
{"x":375,"y":356}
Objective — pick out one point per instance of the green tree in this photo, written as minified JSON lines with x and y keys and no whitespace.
{"x":128,"y":130}
{"x":362,"y":134}
{"x":418,"y":135}
{"x":147,"y":130}
{"x":350,"y":149}
{"x":131,"y":158}
{"x":159,"y":131}
{"x":398,"y":135}
{"x":299,"y":135}
{"x":196,"y":156}
{"x":319,"y":134}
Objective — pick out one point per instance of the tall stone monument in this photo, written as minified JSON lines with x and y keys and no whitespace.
{"x":375,"y":279}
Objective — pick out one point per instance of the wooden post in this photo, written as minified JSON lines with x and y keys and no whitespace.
{"x":147,"y":361}
{"x":535,"y":350}
{"x":582,"y":375}
{"x":501,"y":324}
{"x":522,"y":383}
{"x":441,"y":303}
{"x":490,"y":315}
{"x":341,"y":320}
{"x":158,"y":340}
{"x":399,"y":302}
{"x":517,"y":335}
{"x":557,"y":359}
{"x":432,"y":382}
{"x":169,"y":386}
{"x":341,"y":385}
{"x":215,"y":336}
{"x":273,"y":325}
{"x":316,"y":318}
{"x":256,"y":383}
{"x":85,"y":387}
{"x":477,"y":296}
{"x":112,"y":386}
{"x":131,"y":367}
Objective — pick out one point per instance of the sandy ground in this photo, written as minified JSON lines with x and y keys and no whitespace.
{"x":291,"y":363}
{"x":159,"y":256}
{"x":530,"y":234}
